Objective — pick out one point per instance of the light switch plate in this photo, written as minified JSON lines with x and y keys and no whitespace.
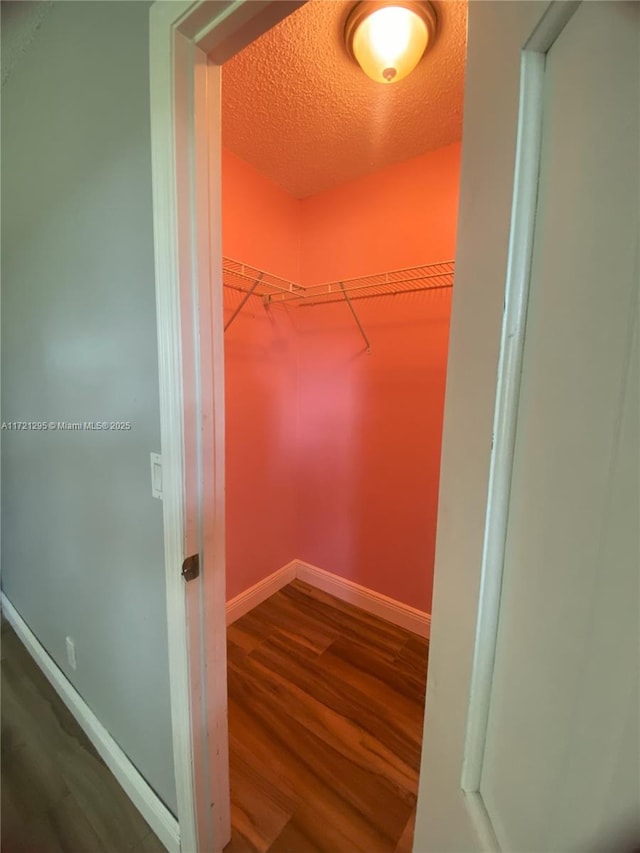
{"x":156,"y":475}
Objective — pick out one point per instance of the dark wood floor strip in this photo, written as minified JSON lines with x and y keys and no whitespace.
{"x":58,"y":796}
{"x":325,"y":724}
{"x":325,"y":716}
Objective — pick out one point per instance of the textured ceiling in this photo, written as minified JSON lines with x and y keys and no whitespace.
{"x":297,"y":108}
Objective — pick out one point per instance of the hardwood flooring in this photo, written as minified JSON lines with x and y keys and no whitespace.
{"x":58,"y":796}
{"x":325,"y":725}
{"x":326,"y":706}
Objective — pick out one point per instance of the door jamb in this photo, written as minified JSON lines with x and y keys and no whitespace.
{"x":521,"y":239}
{"x":220,"y":29}
{"x":209,"y":32}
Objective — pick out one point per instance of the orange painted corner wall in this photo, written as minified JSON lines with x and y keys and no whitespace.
{"x":369,"y":430}
{"x":260,"y":225}
{"x":402,"y":216}
{"x":370,"y":425}
{"x":260,"y":221}
{"x":352,"y":456}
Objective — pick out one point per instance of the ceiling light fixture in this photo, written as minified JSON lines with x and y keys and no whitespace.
{"x":388,"y":39}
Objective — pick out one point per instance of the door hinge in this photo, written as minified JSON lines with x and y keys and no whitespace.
{"x":191,"y":567}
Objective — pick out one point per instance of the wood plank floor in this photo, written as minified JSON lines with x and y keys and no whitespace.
{"x":326,"y":705}
{"x":58,"y":796}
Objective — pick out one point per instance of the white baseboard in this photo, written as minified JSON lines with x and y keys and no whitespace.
{"x":144,"y":798}
{"x":259,"y":592}
{"x":416,"y":621}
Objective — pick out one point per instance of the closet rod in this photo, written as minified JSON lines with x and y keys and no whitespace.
{"x":426,"y":277}
{"x":323,"y":301}
{"x":356,"y":318}
{"x":242,"y":304}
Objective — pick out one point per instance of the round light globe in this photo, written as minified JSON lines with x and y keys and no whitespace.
{"x":388,"y":40}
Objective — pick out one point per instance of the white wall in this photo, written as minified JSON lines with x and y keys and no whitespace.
{"x":82,"y":550}
{"x":445,"y":820}
{"x":561,"y":766}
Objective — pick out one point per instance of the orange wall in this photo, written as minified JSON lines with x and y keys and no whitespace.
{"x":336,"y":450}
{"x":402,"y":216}
{"x":261,"y":228}
{"x":260,"y":221}
{"x":369,"y":429}
{"x":369,"y":425}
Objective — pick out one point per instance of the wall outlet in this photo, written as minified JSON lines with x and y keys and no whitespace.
{"x":71,"y":652}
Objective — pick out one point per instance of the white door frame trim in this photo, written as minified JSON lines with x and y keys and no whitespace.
{"x":525,"y":193}
{"x":220,"y":29}
{"x":183,"y":35}
{"x":507,"y":396}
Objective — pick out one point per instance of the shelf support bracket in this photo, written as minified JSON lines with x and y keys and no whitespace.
{"x":356,"y":318}
{"x":244,"y":300}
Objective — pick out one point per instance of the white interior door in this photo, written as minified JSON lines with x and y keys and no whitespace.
{"x":559,"y":767}
{"x":561,"y":764}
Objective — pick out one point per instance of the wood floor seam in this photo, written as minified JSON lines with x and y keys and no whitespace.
{"x":326,"y":707}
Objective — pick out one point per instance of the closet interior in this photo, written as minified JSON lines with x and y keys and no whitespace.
{"x":335,"y":381}
{"x":339,"y":202}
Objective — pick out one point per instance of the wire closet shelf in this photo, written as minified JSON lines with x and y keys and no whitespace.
{"x":271,"y":288}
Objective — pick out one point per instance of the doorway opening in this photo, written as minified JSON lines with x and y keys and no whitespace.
{"x":339,"y":208}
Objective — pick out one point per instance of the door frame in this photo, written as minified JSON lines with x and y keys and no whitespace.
{"x":189,"y":41}
{"x":521,"y":239}
{"x":523,"y":214}
{"x":470,"y":655}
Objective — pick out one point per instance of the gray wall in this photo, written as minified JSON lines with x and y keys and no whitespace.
{"x":82,"y":551}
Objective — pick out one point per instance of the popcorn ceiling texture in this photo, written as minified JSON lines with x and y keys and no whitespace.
{"x":301,"y":111}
